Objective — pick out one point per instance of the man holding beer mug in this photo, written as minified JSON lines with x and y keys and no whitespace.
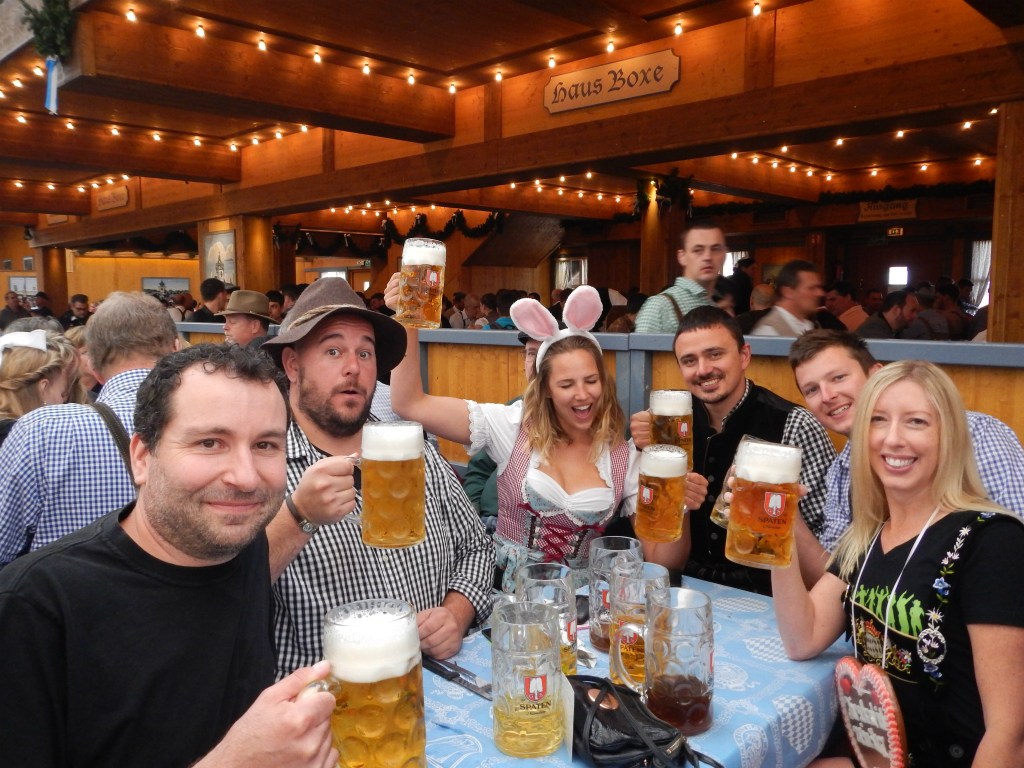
{"x":145,"y":637}
{"x":713,"y":358}
{"x":332,"y":348}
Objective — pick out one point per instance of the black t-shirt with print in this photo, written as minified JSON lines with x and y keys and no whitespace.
{"x":944,"y":728}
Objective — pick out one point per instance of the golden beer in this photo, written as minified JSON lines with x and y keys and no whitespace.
{"x":632,"y":645}
{"x":672,"y":420}
{"x":526,"y":729}
{"x":661,"y":499}
{"x":764,"y":507}
{"x":605,"y":553}
{"x":393,"y":484}
{"x":553,"y":584}
{"x":421,"y":283}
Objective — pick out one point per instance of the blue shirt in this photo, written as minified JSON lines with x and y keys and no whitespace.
{"x":60,"y":469}
{"x":501,"y":324}
{"x":997,"y":452}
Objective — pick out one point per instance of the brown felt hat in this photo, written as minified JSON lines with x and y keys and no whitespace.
{"x":248,"y":303}
{"x":330,"y":296}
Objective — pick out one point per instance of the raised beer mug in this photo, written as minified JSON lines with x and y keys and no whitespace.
{"x":631,"y":583}
{"x":720,"y":512}
{"x":661,"y":499}
{"x":765,"y":498}
{"x":672,"y":420}
{"x":421,"y":283}
{"x":606,"y":552}
{"x":377,"y":683}
{"x":394,"y":494}
{"x":552,"y":584}
{"x":526,"y":679}
{"x":679,"y":677}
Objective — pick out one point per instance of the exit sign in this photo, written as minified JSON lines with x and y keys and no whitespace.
{"x":895,"y":232}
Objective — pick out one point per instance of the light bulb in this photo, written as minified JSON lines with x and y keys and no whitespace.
{"x":363,"y":212}
{"x":366,"y":69}
{"x":395,"y":210}
{"x":810,"y":173}
{"x":734,"y":155}
{"x":451,"y":88}
{"x":654,"y":183}
{"x":2,"y":95}
{"x":414,"y":209}
{"x":124,"y":176}
{"x":618,"y":199}
{"x":994,"y":111}
{"x":277,"y":134}
{"x":432,"y":207}
{"x":95,"y":185}
{"x":367,"y":205}
{"x":37,"y":71}
{"x":115,"y":132}
{"x":610,"y":47}
{"x":332,"y":210}
{"x":775,"y":165}
{"x":81,"y":189}
{"x":679,"y":29}
{"x":21,"y":118}
{"x":376,"y":213}
{"x":551,"y":61}
{"x":262,"y":45}
{"x":537,"y":182}
{"x":755,"y":161}
{"x":110,"y":181}
{"x":498,"y":76}
{"x":305,"y":128}
{"x":600,"y":196}
{"x":387,"y":202}
{"x":977,"y":162}
{"x":200,"y":31}
{"x":967,"y":124}
{"x":512,"y":185}
{"x":255,"y":141}
{"x":899,"y":134}
{"x":757,"y":9}
{"x":559,"y":191}
{"x":590,"y":175}
{"x":233,"y":147}
{"x":924,"y":167}
{"x":70,"y":125}
{"x":785,"y":149}
{"x":316,"y":57}
{"x":839,"y":142}
{"x":17,"y":183}
{"x":17,"y":83}
{"x":411,"y":79}
{"x":197,"y":142}
{"x":829,"y":177}
{"x":874,"y":173}
{"x":792,"y":169}
{"x":581,"y":194}
{"x":156,"y":137}
{"x":131,"y":14}
{"x":561,"y":178}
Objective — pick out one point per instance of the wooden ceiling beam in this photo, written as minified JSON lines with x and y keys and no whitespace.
{"x":526,"y":199}
{"x":1002,"y":13}
{"x":33,"y":197}
{"x":595,"y":14}
{"x":11,"y":219}
{"x":138,"y":61}
{"x":46,"y":141}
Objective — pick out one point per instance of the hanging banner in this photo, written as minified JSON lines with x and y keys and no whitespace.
{"x":894,"y":209}
{"x":627,"y":79}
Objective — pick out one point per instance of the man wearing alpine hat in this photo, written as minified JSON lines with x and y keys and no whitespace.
{"x":246,"y":317}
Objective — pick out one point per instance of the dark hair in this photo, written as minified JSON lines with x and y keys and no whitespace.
{"x":458,"y":296}
{"x":749,"y":261}
{"x":693,"y":224}
{"x":505,"y":301}
{"x":869,"y":291}
{"x":42,"y":295}
{"x":842,"y":287}
{"x":789,"y":275}
{"x":292,"y":291}
{"x":943,"y":280}
{"x":534,"y":295}
{"x":211,"y":288}
{"x":950,"y":291}
{"x":811,"y":344}
{"x":377,"y":295}
{"x":963,"y":282}
{"x":724,"y":287}
{"x":490,"y":301}
{"x":153,"y":402}
{"x":925,"y":299}
{"x":895,"y":299}
{"x":634,"y":302}
{"x":702,"y":318}
{"x":275,"y":296}
{"x":924,"y":285}
{"x":79,"y":298}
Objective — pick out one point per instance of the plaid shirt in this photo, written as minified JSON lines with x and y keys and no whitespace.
{"x":335,"y":567}
{"x":1000,"y":463}
{"x":657,"y":314}
{"x":60,"y":469}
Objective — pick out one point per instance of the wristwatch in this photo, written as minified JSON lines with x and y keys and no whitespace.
{"x":304,"y":524}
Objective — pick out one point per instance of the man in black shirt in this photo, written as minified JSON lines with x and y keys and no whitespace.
{"x":12,"y":310}
{"x":78,"y":312}
{"x":144,"y":639}
{"x":42,"y":305}
{"x":215,"y":298}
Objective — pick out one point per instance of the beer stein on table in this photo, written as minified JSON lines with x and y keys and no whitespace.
{"x":672,"y":420}
{"x":377,"y":683}
{"x":526,"y":679}
{"x":394,"y":496}
{"x":631,"y":583}
{"x":679,"y":678}
{"x":606,"y":552}
{"x":661,"y":499}
{"x":421,"y":283}
{"x":720,"y":512}
{"x":764,"y":507}
{"x":552,"y":584}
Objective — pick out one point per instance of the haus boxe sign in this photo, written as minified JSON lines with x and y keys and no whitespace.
{"x":620,"y":80}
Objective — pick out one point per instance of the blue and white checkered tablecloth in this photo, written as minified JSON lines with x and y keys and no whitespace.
{"x":768,"y":711}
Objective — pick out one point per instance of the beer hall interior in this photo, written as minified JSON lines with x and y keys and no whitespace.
{"x":547,"y":140}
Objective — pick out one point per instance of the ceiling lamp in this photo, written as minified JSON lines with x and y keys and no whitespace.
{"x":610,"y":47}
{"x":197,"y":142}
{"x":899,"y":134}
{"x":130,"y":15}
{"x":234,"y":148}
{"x":679,"y":29}
{"x":70,"y":125}
{"x":115,"y":132}
{"x":839,"y":142}
{"x":277,"y":134}
{"x":17,"y":83}
{"x":37,"y":71}
{"x":156,"y":137}
{"x":200,"y":31}
{"x":967,"y":124}
{"x":305,"y":128}
{"x":21,"y":118}
{"x":497,"y":76}
{"x":255,"y":140}
{"x":757,"y":9}
{"x":316,"y":57}
{"x":451,"y":88}
{"x":551,"y":61}
{"x":411,"y":79}
{"x":366,"y":68}
{"x":785,"y":149}
{"x":262,"y":45}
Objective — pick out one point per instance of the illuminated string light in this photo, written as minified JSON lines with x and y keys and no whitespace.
{"x":512,"y":185}
{"x":874,"y":173}
{"x":130,"y":15}
{"x":497,"y":76}
{"x":156,"y":137}
{"x":755,"y":161}
{"x":21,"y":118}
{"x":679,"y":29}
{"x":366,"y":68}
{"x":978,"y":161}
{"x":899,"y":134}
{"x":110,"y":181}
{"x":95,"y":185}
{"x":551,"y":61}
{"x":924,"y":167}
{"x":376,"y":213}
{"x":610,"y":47}
{"x":234,"y":147}
{"x":757,"y":9}
{"x":17,"y":83}
{"x":367,"y":205}
{"x":387,"y":202}
{"x":395,"y":210}
{"x":17,"y":184}
{"x":451,"y":88}
{"x":316,"y":57}
{"x":37,"y":71}
{"x":277,"y":134}
{"x":590,"y":175}
{"x":537,"y":182}
{"x":200,"y":31}
{"x":70,"y":125}
{"x":839,"y":142}
{"x":735,"y":155}
{"x":414,"y":209}
{"x":829,"y":177}
{"x":600,"y":196}
{"x":197,"y":142}
{"x":333,"y":210}
{"x":124,"y":176}
{"x":810,"y":173}
{"x":581,"y":194}
{"x":618,"y":199}
{"x":115,"y":132}
{"x":561,"y":178}
{"x":775,"y":164}
{"x":785,"y":149}
{"x":967,"y":124}
{"x":81,"y":189}
{"x":255,"y":140}
{"x":559,"y":191}
{"x":432,"y":207}
{"x":305,"y":128}
{"x":411,"y":79}
{"x":262,"y":45}
{"x":363,"y":212}
{"x":792,"y":169}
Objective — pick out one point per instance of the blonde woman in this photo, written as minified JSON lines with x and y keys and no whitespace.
{"x":927,"y":579}
{"x":564,"y":470}
{"x":87,"y":380}
{"x":37,"y":368}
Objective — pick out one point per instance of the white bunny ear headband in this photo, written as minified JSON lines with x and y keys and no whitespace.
{"x":581,"y":312}
{"x":34,"y":339}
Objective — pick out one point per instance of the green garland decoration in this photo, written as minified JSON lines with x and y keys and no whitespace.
{"x":52,"y":27}
{"x":945,"y":189}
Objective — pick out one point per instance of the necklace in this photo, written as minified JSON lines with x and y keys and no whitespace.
{"x":895,"y":587}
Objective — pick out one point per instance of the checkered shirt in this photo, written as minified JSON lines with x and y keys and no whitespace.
{"x":804,"y":431}
{"x":60,"y":469}
{"x":335,"y":567}
{"x":657,"y":314}
{"x":997,"y":452}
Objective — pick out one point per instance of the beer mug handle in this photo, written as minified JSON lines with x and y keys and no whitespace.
{"x":317,"y":686}
{"x":354,"y":518}
{"x":615,"y":655}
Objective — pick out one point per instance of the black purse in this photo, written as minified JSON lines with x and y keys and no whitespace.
{"x":613,"y":728}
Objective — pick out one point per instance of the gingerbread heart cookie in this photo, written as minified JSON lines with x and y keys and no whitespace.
{"x":871,"y":714}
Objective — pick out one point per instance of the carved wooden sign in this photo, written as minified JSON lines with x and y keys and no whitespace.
{"x":114,"y":197}
{"x":620,"y":80}
{"x":892,"y":209}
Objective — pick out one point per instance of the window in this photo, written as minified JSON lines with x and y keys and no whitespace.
{"x":981,"y":269}
{"x":570,"y":273}
{"x":730,"y":261}
{"x":898,"y":278}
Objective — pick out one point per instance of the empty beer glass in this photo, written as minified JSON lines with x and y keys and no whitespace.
{"x":393,"y":484}
{"x":679,"y":636}
{"x":606,"y":552}
{"x":672,"y":420}
{"x":526,"y":678}
{"x":720,"y":512}
{"x":377,"y":682}
{"x":552,"y":584}
{"x":661,"y":499}
{"x":631,"y":582}
{"x":421,"y":283}
{"x":765,"y":499}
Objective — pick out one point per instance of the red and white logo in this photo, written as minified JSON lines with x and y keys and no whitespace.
{"x":604,"y":598}
{"x":774,"y":503}
{"x":571,"y":631}
{"x":433,"y":278}
{"x":684,"y":429}
{"x":536,"y":688}
{"x":629,"y":638}
{"x":646,"y":494}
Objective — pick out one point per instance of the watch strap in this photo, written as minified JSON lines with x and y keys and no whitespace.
{"x":304,"y":524}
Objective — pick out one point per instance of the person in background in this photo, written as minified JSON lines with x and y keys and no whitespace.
{"x":291,"y":293}
{"x":873,"y":299}
{"x":215,"y":298}
{"x":178,"y":310}
{"x":724,"y":296}
{"x":275,"y":306}
{"x":246,"y":317}
{"x":966,"y":288}
{"x":37,"y":368}
{"x":42,"y":305}
{"x":86,"y":376}
{"x":762,"y":298}
{"x":446,"y":309}
{"x":466,"y":315}
{"x":458,"y":304}
{"x":898,"y":311}
{"x":743,"y":280}
{"x":930,"y":324}
{"x":78,"y":312}
{"x":947,"y":301}
{"x":503,"y":322}
{"x":377,"y":305}
{"x":840,"y":302}
{"x":533,"y":295}
{"x":798,"y":296}
{"x":626,"y":323}
{"x":488,"y":310}
{"x":557,"y":300}
{"x":25,"y":324}
{"x":12,"y":310}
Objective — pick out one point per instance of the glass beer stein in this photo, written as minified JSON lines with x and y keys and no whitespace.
{"x":526,"y":679}
{"x":679,"y":677}
{"x":421,"y":283}
{"x":394,"y":495}
{"x":606,"y":552}
{"x":672,"y":420}
{"x":631,"y":582}
{"x":377,"y":683}
{"x":661,"y":500}
{"x":765,"y":496}
{"x":720,"y":512}
{"x":552,"y":584}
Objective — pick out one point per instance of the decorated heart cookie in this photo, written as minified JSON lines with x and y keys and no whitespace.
{"x":871,"y":714}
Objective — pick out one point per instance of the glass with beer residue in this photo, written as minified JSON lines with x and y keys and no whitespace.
{"x":631,"y":583}
{"x":552,"y":584}
{"x":606,"y":552}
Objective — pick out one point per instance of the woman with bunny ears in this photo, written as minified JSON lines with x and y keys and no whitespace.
{"x":564,"y":470}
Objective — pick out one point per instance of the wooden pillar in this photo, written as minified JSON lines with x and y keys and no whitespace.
{"x":256,"y":268}
{"x":815,"y":247}
{"x":659,"y":240}
{"x":1006,"y":316}
{"x":52,"y":276}
{"x":284,"y":250}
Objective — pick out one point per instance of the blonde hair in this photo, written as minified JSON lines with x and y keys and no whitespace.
{"x":543,"y":429}
{"x":23,"y":368}
{"x":957,"y":484}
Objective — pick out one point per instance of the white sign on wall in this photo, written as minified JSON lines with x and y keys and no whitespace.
{"x":620,"y":80}
{"x":892,"y":209}
{"x":112,"y":197}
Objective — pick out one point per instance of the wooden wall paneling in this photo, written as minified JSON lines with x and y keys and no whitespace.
{"x":492,"y":110}
{"x":614,"y":264}
{"x":291,"y":156}
{"x":97,"y":277}
{"x":759,"y":58}
{"x":212,"y":338}
{"x":257,"y":265}
{"x":51,"y":271}
{"x":1006,"y":318}
{"x":156,"y":192}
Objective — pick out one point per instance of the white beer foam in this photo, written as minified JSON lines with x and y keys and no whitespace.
{"x":422,"y":251}
{"x":663,"y":461}
{"x":367,"y":649}
{"x":392,"y":440}
{"x":768,"y":463}
{"x":671,"y":402}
